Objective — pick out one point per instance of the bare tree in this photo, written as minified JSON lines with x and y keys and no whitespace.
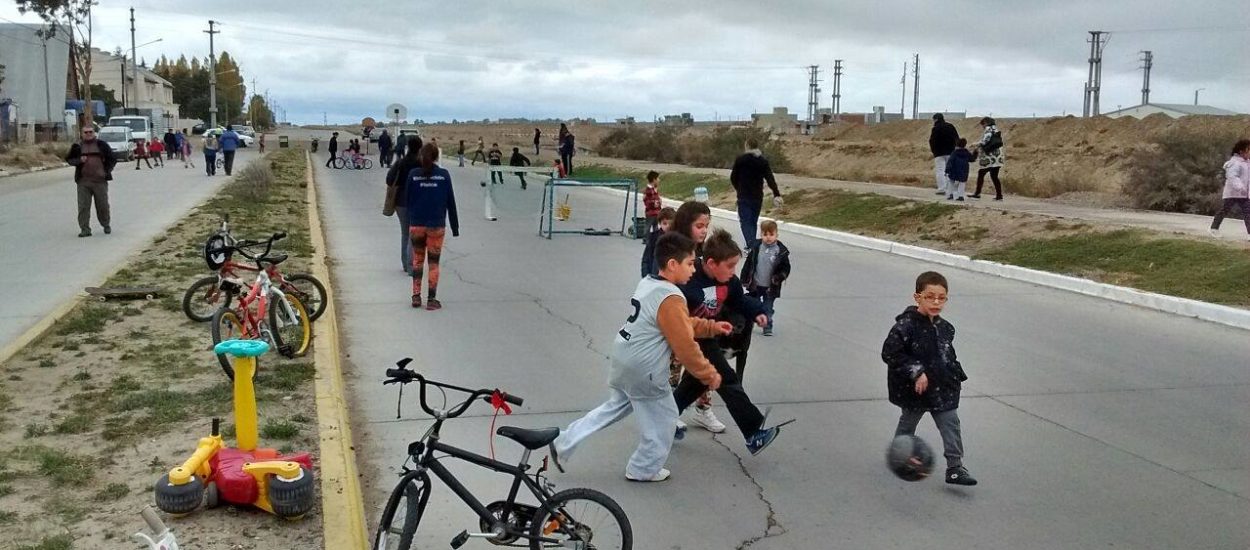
{"x":72,"y":17}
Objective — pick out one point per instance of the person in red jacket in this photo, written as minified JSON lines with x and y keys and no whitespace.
{"x":141,"y":153}
{"x":156,"y":148}
{"x":651,"y":199}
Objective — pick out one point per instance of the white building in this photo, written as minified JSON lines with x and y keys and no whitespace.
{"x":780,"y":120}
{"x":1174,"y":110}
{"x":151,"y":93}
{"x":34,"y":75}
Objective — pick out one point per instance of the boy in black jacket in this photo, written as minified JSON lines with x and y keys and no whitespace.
{"x":518,"y":160}
{"x":711,"y":292}
{"x":924,"y":375}
{"x":767,"y":266}
{"x":662,"y":222}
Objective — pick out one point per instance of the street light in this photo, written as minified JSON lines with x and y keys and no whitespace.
{"x":227,"y":105}
{"x":134,"y":71}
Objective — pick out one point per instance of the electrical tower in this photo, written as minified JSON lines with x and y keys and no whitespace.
{"x":813,"y":92}
{"x":915,"y":87}
{"x":212,"y":76}
{"x":1093,"y":84}
{"x":1147,"y":62}
{"x":838,"y":86}
{"x":902,"y":104}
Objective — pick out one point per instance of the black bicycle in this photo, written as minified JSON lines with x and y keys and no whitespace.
{"x":574,"y":518}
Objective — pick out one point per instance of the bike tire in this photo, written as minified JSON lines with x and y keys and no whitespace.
{"x":205,"y":293}
{"x":296,"y":333}
{"x":337,"y":163}
{"x":564,"y":500}
{"x":310,"y":291}
{"x":368,"y":164}
{"x":231,"y":319}
{"x":410,"y":495}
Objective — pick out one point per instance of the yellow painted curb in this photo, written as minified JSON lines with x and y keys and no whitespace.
{"x":342,"y":505}
{"x":42,"y":326}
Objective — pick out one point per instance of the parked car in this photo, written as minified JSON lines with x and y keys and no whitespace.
{"x":405,"y":133}
{"x":198,"y":129}
{"x":121,"y":139}
{"x":246,"y":131}
{"x":244,"y":140}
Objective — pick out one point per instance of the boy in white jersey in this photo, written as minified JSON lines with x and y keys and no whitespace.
{"x":658,"y":327}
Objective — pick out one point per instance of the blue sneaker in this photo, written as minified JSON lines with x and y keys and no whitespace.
{"x":762,"y":439}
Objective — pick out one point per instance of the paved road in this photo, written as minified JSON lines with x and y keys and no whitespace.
{"x":1090,"y":424}
{"x":1156,"y":221}
{"x":45,"y":261}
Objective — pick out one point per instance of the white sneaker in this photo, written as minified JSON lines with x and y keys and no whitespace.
{"x":1214,"y":233}
{"x":663,"y":475}
{"x":703,"y":417}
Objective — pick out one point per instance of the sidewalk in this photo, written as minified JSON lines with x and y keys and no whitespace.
{"x":1146,"y":219}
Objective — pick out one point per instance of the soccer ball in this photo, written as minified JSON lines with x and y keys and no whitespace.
{"x":909,"y":457}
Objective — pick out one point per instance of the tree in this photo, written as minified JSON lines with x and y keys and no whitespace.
{"x":107,"y":96}
{"x":260,"y":113}
{"x":72,"y":17}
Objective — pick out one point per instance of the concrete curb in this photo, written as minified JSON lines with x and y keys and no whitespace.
{"x":11,"y":173}
{"x":1215,"y":313}
{"x":41,"y":327}
{"x":342,"y":503}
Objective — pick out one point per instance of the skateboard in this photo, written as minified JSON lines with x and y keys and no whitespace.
{"x":123,"y":293}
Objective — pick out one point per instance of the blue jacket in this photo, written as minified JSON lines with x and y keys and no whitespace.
{"x":229,"y":140}
{"x":431,"y":201}
{"x":957,"y":164}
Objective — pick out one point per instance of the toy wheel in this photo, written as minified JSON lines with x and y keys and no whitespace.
{"x":178,"y":499}
{"x":212,"y":498}
{"x":292,"y":498}
{"x":629,"y":231}
{"x":148,"y":296}
{"x":104,"y":298}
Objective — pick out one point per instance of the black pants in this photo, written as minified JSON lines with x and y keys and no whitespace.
{"x":330,"y":160}
{"x":1243,"y":204}
{"x":567,"y":160}
{"x":745,"y":414}
{"x":998,"y":185}
{"x":228,"y":161}
{"x":384,"y":157}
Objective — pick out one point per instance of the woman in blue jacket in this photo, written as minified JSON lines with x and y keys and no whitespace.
{"x":431,"y":204}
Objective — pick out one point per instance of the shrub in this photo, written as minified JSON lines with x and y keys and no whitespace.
{"x":252,"y":183}
{"x":675,"y":145}
{"x":1182,"y":172}
{"x":723,"y":145}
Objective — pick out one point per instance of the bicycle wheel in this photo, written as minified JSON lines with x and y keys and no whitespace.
{"x":290,"y":333}
{"x":310,"y":291}
{"x":204,"y":298}
{"x":582,"y":516}
{"x":368,"y":164}
{"x":337,"y":163}
{"x":407,"y":504}
{"x":226,"y":326}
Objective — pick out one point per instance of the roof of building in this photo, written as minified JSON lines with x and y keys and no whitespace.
{"x":1180,"y":108}
{"x":144,"y":72}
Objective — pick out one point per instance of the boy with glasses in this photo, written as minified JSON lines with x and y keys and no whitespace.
{"x":923,"y":373}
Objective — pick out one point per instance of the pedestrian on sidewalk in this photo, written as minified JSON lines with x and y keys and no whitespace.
{"x":518,"y":160}
{"x":260,"y":140}
{"x":538,"y":137}
{"x":956,"y":171}
{"x":923,"y":373}
{"x":171,"y":144}
{"x":93,"y":163}
{"x":651,"y":201}
{"x":1236,"y":186}
{"x":398,"y":176}
{"x":750,"y":171}
{"x":184,"y":149}
{"x":480,"y":152}
{"x":141,"y":153}
{"x":942,"y":141}
{"x":659,"y":329}
{"x":229,"y":143}
{"x":210,"y":154}
{"x":990,"y":157}
{"x":156,"y":148}
{"x":332,"y":148}
{"x":384,"y":149}
{"x":431,"y":203}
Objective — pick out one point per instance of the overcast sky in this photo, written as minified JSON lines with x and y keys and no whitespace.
{"x":726,"y":58}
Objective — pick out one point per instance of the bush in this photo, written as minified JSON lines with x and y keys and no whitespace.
{"x":252,"y":183}
{"x":719,"y":149}
{"x":1182,"y":172}
{"x":675,"y":145}
{"x":658,"y":145}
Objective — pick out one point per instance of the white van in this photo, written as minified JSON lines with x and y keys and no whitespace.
{"x":121,"y":139}
{"x":140,"y":126}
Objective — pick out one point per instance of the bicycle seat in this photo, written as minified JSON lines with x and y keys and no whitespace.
{"x":530,"y":439}
{"x":274,"y":259}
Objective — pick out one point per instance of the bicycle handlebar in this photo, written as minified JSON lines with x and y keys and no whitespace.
{"x":402,"y":375}
{"x":240,"y":246}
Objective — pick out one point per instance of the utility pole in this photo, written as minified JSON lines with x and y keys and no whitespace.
{"x":902,"y":104}
{"x":837,"y":87}
{"x":1147,"y":62}
{"x":212,"y":76}
{"x":1093,"y":84}
{"x":813,"y":92}
{"x":1196,"y":95}
{"x":134,"y":61}
{"x":47,"y":90}
{"x":915,"y":87}
{"x":324,"y":121}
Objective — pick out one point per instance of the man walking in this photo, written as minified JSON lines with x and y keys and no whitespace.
{"x":384,"y":149}
{"x":749,"y":173}
{"x":93,"y":164}
{"x":538,"y":137}
{"x":171,"y":144}
{"x":229,"y":142}
{"x":332,"y":148}
{"x":942,"y":141}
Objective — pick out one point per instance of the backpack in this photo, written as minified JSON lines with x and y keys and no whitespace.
{"x":995,"y":143}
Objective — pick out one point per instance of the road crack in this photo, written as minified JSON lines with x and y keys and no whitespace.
{"x":773,"y":527}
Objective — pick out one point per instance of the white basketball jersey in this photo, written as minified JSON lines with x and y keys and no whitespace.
{"x":640,"y":354}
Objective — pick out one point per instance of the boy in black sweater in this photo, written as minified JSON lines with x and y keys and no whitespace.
{"x":519,"y":160}
{"x":495,"y":158}
{"x":715,"y":290}
{"x":663,"y":220}
{"x":924,"y":375}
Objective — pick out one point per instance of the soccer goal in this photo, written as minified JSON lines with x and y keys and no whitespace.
{"x":587,"y":206}
{"x":516,"y":175}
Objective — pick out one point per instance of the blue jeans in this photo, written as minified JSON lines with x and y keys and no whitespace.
{"x":749,"y":217}
{"x":405,"y":244}
{"x":762,"y":293}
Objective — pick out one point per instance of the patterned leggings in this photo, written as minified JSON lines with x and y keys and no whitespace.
{"x":425,"y":241}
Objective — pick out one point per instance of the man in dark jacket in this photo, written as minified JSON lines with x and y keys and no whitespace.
{"x":519,"y":160}
{"x":333,"y":148}
{"x":941,"y":143}
{"x":749,"y":173}
{"x":171,"y":144}
{"x":93,"y":164}
{"x":384,"y":149}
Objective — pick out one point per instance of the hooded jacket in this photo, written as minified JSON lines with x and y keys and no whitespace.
{"x":943,"y":138}
{"x":918,"y":345}
{"x":781,"y":271}
{"x":1236,"y":178}
{"x":749,"y":173}
{"x":957,"y":164}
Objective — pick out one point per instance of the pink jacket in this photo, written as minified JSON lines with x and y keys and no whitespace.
{"x":1237,"y":178}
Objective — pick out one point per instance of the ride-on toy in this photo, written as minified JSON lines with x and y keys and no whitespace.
{"x":247,"y":475}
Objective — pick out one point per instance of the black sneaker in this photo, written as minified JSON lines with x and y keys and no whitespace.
{"x":107,"y":230}
{"x":762,"y":439}
{"x":960,"y":476}
{"x":84,"y":233}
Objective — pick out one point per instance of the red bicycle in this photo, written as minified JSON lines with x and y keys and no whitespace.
{"x":205,"y":296}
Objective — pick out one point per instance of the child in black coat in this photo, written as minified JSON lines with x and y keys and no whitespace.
{"x":662,"y":222}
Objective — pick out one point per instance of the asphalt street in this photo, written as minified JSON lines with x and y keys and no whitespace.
{"x":1090,"y":424}
{"x":46,"y":263}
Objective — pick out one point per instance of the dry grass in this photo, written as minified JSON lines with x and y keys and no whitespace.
{"x":25,"y":157}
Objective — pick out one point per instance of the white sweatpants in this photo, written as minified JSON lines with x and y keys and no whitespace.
{"x":939,"y":173}
{"x":956,"y":188}
{"x":656,"y":418}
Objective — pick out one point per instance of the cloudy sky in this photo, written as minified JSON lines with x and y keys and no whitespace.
{"x":715,"y":59}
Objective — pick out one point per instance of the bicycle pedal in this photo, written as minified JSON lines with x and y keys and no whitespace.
{"x":460,"y":539}
{"x":286,"y":350}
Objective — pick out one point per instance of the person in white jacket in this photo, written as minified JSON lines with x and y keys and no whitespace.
{"x":1236,"y":186}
